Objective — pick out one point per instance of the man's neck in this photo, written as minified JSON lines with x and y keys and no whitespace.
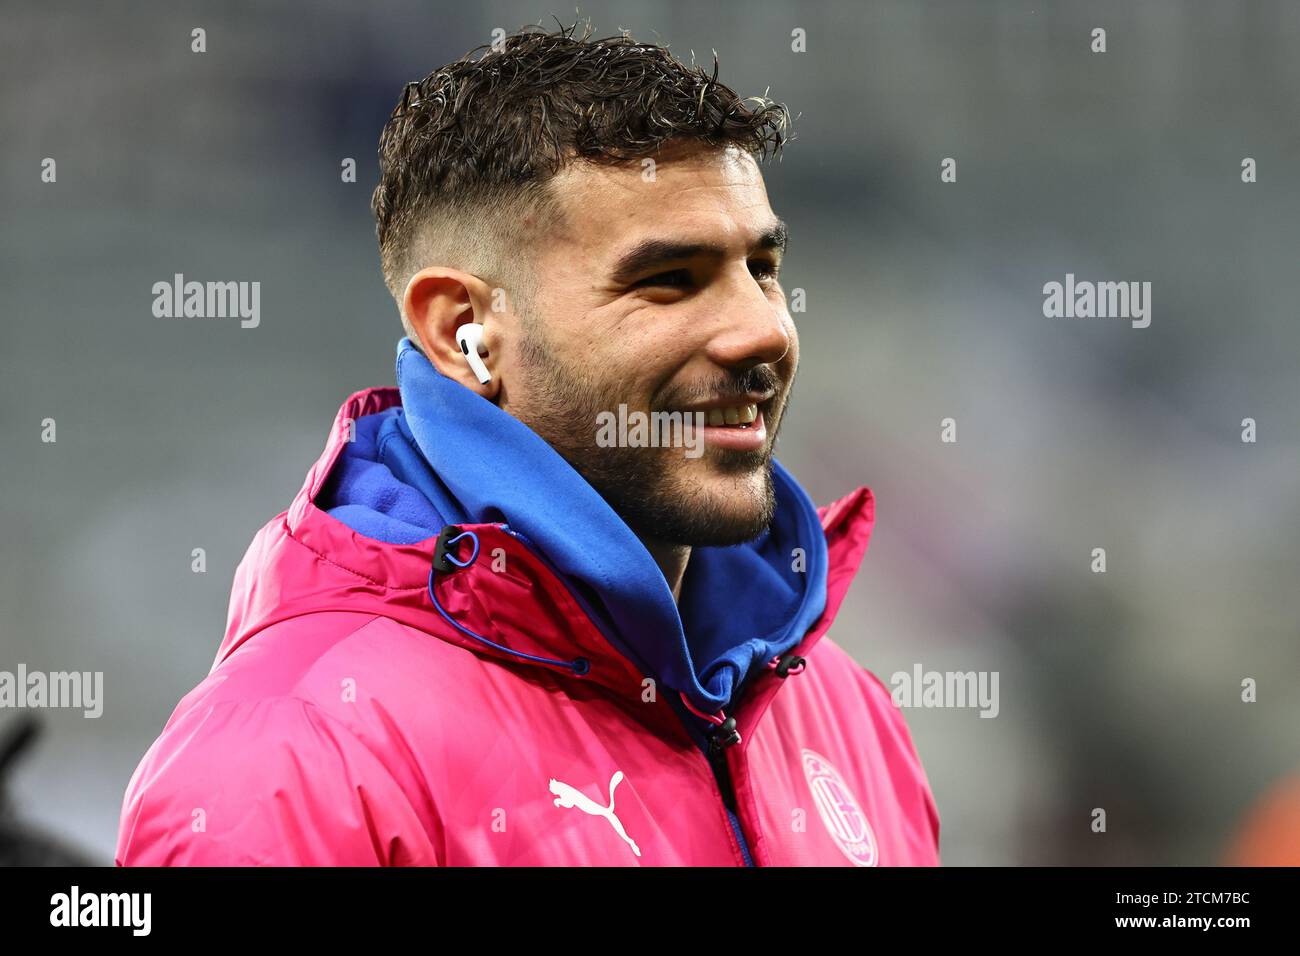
{"x":672,"y":559}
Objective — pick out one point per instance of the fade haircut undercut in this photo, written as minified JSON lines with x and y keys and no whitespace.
{"x":466,"y":157}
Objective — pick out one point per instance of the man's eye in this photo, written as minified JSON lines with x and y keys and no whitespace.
{"x":677,"y":278}
{"x":762,"y":269}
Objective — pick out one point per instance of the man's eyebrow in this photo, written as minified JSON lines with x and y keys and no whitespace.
{"x":646,"y":255}
{"x":775,"y":237}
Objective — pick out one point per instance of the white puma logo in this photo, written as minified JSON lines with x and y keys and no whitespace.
{"x":567,"y":796}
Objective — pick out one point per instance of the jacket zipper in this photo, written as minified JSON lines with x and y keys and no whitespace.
{"x":723,"y":775}
{"x":717,"y":761}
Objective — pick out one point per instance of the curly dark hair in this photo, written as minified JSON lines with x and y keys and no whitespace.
{"x":466,"y":155}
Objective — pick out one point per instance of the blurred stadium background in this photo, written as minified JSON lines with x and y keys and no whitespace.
{"x":1119,"y":690}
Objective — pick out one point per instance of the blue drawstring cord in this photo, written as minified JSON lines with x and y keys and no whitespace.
{"x":579,"y":665}
{"x":450,"y":555}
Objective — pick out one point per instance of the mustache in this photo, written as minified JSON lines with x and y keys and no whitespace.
{"x":760,"y":378}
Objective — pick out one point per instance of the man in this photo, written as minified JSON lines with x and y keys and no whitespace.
{"x":484,"y":633}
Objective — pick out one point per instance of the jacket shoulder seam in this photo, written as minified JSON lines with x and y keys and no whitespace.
{"x":324,"y":559}
{"x":313,"y":712}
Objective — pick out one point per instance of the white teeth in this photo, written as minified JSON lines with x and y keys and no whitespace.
{"x":736,"y":415}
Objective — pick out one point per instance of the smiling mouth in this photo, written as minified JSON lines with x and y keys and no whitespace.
{"x":746,"y":432}
{"x":734,"y":416}
{"x":737,"y":414}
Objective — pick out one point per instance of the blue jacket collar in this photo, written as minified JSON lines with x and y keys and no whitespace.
{"x":449,"y":456}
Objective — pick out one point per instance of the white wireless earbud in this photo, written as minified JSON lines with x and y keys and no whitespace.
{"x":470,"y":339}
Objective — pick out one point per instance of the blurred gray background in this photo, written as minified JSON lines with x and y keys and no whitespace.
{"x":1118,"y":690}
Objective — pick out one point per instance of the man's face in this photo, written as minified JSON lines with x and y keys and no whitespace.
{"x":661,"y":294}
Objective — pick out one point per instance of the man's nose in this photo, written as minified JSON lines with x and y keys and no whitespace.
{"x":752,"y":327}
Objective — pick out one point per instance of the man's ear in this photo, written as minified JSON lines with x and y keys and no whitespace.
{"x":437,"y":302}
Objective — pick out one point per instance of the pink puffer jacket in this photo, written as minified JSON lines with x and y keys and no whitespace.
{"x":347,"y":722}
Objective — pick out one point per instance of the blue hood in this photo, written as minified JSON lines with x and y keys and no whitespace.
{"x":449,"y":456}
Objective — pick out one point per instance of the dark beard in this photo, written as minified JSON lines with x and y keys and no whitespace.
{"x":637,"y":483}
